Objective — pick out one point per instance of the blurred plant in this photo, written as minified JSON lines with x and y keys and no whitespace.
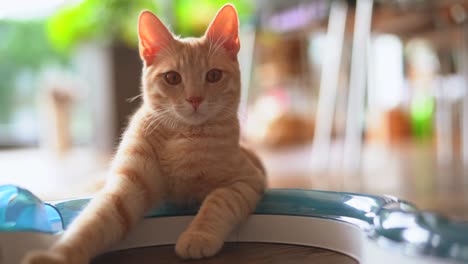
{"x":116,"y":20}
{"x":192,"y":17}
{"x":102,"y":20}
{"x":24,"y":47}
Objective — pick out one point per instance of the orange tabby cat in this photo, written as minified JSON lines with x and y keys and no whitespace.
{"x":182,"y":145}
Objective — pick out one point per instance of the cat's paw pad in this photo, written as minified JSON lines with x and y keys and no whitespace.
{"x":43,"y":257}
{"x":196,"y":245}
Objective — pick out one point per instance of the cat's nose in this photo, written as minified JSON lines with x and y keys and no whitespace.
{"x":195,"y":101}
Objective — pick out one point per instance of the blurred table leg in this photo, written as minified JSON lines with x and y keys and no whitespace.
{"x":464,"y":116}
{"x":329,"y":85}
{"x":357,"y":86}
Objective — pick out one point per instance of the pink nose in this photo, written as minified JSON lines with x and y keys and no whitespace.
{"x":195,"y":101}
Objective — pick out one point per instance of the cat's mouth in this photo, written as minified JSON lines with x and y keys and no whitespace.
{"x":197,"y":117}
{"x":193,"y":118}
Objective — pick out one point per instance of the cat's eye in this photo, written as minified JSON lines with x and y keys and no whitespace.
{"x":172,"y":77}
{"x":213,"y":75}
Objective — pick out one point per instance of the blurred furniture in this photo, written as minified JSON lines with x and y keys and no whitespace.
{"x":464,"y":115}
{"x":391,"y":127}
{"x":329,"y":84}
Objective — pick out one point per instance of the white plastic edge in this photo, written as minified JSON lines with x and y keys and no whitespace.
{"x":307,"y":231}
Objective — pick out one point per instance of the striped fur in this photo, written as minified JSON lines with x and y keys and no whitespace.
{"x":170,"y":153}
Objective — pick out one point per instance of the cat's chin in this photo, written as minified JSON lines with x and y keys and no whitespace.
{"x":194,"y":120}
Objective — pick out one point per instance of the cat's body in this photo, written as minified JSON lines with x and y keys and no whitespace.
{"x":182,"y":146}
{"x":194,"y":160}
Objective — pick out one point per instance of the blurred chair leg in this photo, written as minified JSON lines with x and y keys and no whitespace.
{"x":329,"y":85}
{"x":357,"y":87}
{"x":246,"y":57}
{"x":444,"y":124}
{"x":98,"y":75}
{"x":464,"y":115}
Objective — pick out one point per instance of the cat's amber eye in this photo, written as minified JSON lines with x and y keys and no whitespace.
{"x":213,"y":75}
{"x":172,"y":77}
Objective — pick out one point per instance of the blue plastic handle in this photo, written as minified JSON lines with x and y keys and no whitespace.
{"x":20,"y":210}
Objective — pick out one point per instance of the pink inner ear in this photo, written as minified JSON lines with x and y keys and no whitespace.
{"x":153,"y":35}
{"x":225,"y":29}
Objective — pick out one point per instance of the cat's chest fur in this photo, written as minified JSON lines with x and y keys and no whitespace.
{"x":195,"y":161}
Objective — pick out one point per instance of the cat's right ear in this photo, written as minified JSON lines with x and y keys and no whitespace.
{"x":153,"y":36}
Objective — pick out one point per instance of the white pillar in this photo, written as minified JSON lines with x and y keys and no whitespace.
{"x":464,"y":115}
{"x":329,"y":84}
{"x":246,"y":56}
{"x":357,"y":86}
{"x":94,"y":64}
{"x":444,"y":124}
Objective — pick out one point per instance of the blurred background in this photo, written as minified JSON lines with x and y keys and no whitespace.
{"x":360,"y":96}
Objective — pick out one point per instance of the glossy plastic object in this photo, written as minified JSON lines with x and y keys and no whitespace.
{"x":421,"y":233}
{"x":297,"y":202}
{"x":388,"y":222}
{"x":391,"y":223}
{"x":20,"y":210}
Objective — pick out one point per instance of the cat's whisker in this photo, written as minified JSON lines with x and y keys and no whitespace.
{"x":130,"y":100}
{"x":156,"y":126}
{"x":151,"y":123}
{"x":173,"y":122}
{"x":156,"y":117}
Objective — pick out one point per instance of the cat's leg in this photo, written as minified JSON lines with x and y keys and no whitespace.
{"x":221,"y":211}
{"x":254,"y":159}
{"x":132,"y":188}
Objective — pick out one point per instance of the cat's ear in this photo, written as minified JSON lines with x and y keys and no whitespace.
{"x":224,"y":30}
{"x":153,"y":36}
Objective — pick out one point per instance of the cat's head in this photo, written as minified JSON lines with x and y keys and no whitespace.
{"x":191,"y":80}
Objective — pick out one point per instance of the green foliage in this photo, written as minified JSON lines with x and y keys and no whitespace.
{"x":116,"y":20}
{"x":24,"y":46}
{"x":192,"y":17}
{"x":422,"y":116}
{"x":104,"y":20}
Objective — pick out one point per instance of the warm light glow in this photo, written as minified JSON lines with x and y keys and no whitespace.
{"x":386,"y":89}
{"x":265,"y":110}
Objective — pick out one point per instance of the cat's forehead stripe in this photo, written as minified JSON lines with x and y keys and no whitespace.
{"x":191,"y":52}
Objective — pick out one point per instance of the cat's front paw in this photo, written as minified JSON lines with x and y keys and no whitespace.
{"x":196,"y":245}
{"x":43,"y":257}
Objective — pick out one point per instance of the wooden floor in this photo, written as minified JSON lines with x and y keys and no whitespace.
{"x":232,"y":253}
{"x":411,"y":173}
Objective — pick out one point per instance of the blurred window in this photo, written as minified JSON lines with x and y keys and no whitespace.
{"x":24,"y":50}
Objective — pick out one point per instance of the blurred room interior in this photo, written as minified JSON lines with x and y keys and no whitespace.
{"x":356,"y":96}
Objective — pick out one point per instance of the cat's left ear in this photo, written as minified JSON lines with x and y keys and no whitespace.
{"x":153,"y":36}
{"x":224,"y":29}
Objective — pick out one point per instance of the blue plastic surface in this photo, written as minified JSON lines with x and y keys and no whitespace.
{"x":20,"y":210}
